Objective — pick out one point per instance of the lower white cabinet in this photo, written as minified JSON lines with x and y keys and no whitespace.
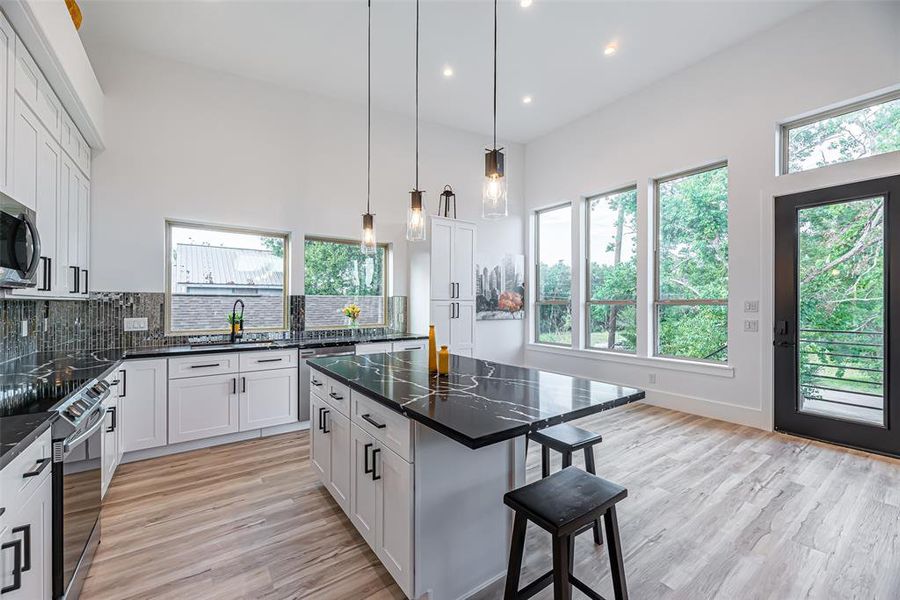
{"x":202,"y":407}
{"x":454,"y":325}
{"x":331,"y":449}
{"x":320,"y":445}
{"x":269,"y":398}
{"x":26,"y":545}
{"x":143,"y":410}
{"x":110,"y":443}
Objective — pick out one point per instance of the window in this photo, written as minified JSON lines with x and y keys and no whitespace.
{"x":612,"y":271}
{"x":338,"y":273}
{"x":691,"y":301}
{"x":210,"y":267}
{"x":856,"y":131}
{"x":553,"y":308}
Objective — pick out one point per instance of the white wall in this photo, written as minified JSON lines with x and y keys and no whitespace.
{"x":189,"y":143}
{"x":726,"y":107}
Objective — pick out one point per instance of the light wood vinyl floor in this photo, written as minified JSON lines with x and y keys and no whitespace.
{"x":715,"y":510}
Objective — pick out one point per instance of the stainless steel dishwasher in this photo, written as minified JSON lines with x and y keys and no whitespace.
{"x":307,"y":353}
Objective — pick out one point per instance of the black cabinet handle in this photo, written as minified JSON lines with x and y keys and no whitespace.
{"x":25,"y":530}
{"x":320,"y":417}
{"x":41,"y":465}
{"x":268,"y":360}
{"x":316,"y":382}
{"x":243,"y":385}
{"x":375,"y":475}
{"x":234,"y":385}
{"x":45,"y":287}
{"x":112,"y":411}
{"x":372,"y":421}
{"x":85,"y":290}
{"x":205,"y":366}
{"x":16,"y":545}
{"x":122,"y":382}
{"x":336,"y":396}
{"x":366,"y":466}
{"x":323,"y":418}
{"x":76,"y":280}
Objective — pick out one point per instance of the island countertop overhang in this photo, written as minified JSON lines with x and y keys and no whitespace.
{"x":481,"y":402}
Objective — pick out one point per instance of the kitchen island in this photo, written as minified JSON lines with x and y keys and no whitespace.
{"x":420,"y":463}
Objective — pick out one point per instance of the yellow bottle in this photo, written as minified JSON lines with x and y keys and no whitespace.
{"x":444,"y":361}
{"x":432,"y":351}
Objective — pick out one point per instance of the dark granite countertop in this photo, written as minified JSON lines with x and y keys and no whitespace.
{"x":17,"y":433}
{"x":480,"y":402}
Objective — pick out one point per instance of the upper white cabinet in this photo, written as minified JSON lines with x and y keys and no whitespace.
{"x":141,"y":390}
{"x":7,"y":94}
{"x":452,"y":309}
{"x":442,"y":271}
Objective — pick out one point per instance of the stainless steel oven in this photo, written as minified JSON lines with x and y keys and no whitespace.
{"x":20,"y":245}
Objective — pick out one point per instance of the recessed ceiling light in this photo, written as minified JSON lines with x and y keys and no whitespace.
{"x":525,"y":3}
{"x":448,"y":71}
{"x":526,"y":99}
{"x":611,"y":48}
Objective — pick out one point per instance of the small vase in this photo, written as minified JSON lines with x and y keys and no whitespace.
{"x":444,"y":361}
{"x":351,"y":323}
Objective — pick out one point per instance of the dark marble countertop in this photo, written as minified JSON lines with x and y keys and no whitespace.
{"x":480,"y":402}
{"x":17,"y":433}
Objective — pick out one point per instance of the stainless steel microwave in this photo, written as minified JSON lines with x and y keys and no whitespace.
{"x":20,"y":244}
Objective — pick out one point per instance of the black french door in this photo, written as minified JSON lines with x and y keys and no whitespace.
{"x":837,"y":298}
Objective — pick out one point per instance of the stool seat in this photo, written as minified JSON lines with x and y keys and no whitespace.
{"x":565,"y":501}
{"x":566,"y":438}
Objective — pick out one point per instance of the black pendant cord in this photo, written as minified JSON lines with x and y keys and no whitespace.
{"x":369,"y":117}
{"x":417,"y":95}
{"x":495,"y":74}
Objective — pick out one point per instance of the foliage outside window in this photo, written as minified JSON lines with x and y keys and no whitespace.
{"x":338,"y":273}
{"x":854,"y":132}
{"x":553,"y":307}
{"x":692,"y":265}
{"x":210,"y":267}
{"x":612,"y":271}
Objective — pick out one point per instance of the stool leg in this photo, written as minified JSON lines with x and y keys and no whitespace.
{"x":516,"y":550}
{"x":562,"y":589}
{"x":591,"y":468}
{"x":545,"y":461}
{"x":567,"y":460}
{"x":614,"y":547}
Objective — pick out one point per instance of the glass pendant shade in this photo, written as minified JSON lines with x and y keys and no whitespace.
{"x":493,"y":191}
{"x":368,"y":244}
{"x":415,"y":217}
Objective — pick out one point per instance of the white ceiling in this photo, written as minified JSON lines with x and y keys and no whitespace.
{"x":552,"y":50}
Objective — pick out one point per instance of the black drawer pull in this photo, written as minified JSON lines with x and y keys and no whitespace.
{"x":325,"y":413}
{"x":206,"y":366}
{"x":268,"y":360}
{"x":316,"y":382}
{"x":112,"y":427}
{"x":375,"y":476}
{"x":85,"y":290}
{"x":39,"y":468}
{"x":16,"y":545}
{"x":320,"y":418}
{"x":123,"y":382}
{"x":76,"y":279}
{"x":25,"y":530}
{"x":336,"y":396}
{"x":372,"y":421}
{"x":366,"y":466}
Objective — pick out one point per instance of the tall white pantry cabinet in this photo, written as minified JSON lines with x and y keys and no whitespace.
{"x":452,"y":283}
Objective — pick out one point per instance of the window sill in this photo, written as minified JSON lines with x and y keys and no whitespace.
{"x":672,"y":364}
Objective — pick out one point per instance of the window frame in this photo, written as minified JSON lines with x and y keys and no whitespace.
{"x":537,"y":277}
{"x":588,"y":302}
{"x":286,"y":291}
{"x":657,"y":302}
{"x":385,"y":278}
{"x":785,"y":128}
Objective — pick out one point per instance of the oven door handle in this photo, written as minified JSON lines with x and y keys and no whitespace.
{"x":70,"y":443}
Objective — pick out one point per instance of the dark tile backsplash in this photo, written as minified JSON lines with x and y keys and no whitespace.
{"x":97,"y":323}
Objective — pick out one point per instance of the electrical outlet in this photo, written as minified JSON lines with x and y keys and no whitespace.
{"x":751,"y":306}
{"x":136,"y":324}
{"x":23,"y":328}
{"x":651,"y":378}
{"x":751,"y":325}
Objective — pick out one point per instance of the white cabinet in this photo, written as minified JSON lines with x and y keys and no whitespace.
{"x":452,"y":308}
{"x":442,"y":287}
{"x":463,"y":252}
{"x":26,"y":142}
{"x":7,"y":95}
{"x":407,"y":345}
{"x":374,"y":348}
{"x":268,"y":398}
{"x":26,"y":542}
{"x":202,"y":407}
{"x":320,"y":447}
{"x":143,"y":409}
{"x":331,"y":449}
{"x":363,"y":487}
{"x":110,"y":443}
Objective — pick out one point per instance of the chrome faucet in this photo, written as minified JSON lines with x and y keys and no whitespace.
{"x":238,"y":320}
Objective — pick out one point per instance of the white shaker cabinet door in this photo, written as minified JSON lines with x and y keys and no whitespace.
{"x":464,"y":260}
{"x":202,"y":407}
{"x":320,"y":448}
{"x":441,"y":259}
{"x":7,"y":95}
{"x":364,"y":486}
{"x":462,"y":329}
{"x":338,"y":428}
{"x":32,"y":522}
{"x":269,"y":398}
{"x":143,"y":404}
{"x":395,"y":524}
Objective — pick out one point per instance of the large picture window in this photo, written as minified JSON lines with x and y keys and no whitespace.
{"x":612,"y":271}
{"x":849,"y":133}
{"x":553,"y":245}
{"x":691,"y":301}
{"x":338,"y":273}
{"x":210,"y":267}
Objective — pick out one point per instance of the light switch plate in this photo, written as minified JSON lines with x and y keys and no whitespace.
{"x":751,"y":305}
{"x":136,"y":324}
{"x":751,"y":325}
{"x":23,"y":330}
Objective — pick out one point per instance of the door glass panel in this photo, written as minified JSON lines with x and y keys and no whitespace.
{"x":841,"y":278}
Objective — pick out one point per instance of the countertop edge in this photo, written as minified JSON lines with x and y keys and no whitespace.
{"x":10,"y":455}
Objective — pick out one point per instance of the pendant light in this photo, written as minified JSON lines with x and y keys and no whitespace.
{"x":415,"y":218}
{"x":368,"y":245}
{"x":493,"y":191}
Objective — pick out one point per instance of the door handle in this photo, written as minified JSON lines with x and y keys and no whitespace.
{"x":320,"y":417}
{"x":233,"y":386}
{"x":243,"y":385}
{"x":123,"y":383}
{"x":375,"y":475}
{"x":16,"y":545}
{"x":25,"y":530}
{"x":45,"y":287}
{"x":784,"y":344}
{"x":366,"y":467}
{"x":85,"y":271}
{"x":76,"y":279}
{"x":324,"y":420}
{"x":112,"y":427}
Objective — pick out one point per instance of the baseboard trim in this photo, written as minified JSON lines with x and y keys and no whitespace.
{"x":213,"y":441}
{"x":721,"y":411}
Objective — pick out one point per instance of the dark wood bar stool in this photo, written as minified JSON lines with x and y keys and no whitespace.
{"x":567,"y":439}
{"x":563,"y":504}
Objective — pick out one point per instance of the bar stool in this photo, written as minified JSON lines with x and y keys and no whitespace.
{"x":566,"y":439}
{"x":562,"y":504}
